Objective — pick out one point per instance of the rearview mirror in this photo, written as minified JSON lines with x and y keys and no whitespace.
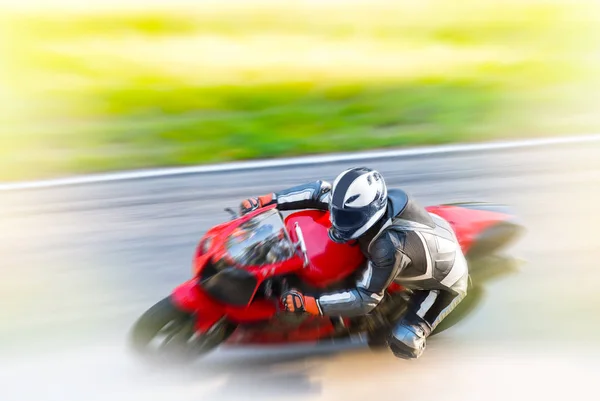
{"x":301,"y":244}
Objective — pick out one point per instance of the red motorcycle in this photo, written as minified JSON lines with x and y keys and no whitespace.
{"x":243,"y":266}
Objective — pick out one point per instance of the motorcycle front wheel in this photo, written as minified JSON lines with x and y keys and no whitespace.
{"x":166,"y":334}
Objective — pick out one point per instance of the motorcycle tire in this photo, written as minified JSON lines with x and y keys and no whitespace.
{"x":180,"y":342}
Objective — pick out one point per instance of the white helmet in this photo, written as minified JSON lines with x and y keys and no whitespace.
{"x":358,"y":202}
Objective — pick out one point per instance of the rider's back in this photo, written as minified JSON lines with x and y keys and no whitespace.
{"x":421,"y":245}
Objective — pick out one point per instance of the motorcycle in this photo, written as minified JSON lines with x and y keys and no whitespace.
{"x":242,"y":267}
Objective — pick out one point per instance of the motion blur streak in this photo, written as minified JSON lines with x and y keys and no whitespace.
{"x":79,"y":264}
{"x":91,"y":87}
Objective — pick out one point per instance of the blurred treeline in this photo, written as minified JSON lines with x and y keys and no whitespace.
{"x":100,"y":89}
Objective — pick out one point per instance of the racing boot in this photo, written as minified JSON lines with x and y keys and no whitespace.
{"x":426,"y":310}
{"x":407,"y":339}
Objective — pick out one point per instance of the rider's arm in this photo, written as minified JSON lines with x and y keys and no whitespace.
{"x":386,"y":261}
{"x":314,"y":195}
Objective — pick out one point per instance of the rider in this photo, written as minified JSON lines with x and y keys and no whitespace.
{"x":402,"y":242}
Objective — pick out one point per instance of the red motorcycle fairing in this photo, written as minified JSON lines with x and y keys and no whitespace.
{"x":190,"y":297}
{"x":249,"y":278}
{"x":481,"y":228}
{"x":330,"y":262}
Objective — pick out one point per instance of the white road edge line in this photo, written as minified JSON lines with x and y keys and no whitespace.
{"x":297,"y":161}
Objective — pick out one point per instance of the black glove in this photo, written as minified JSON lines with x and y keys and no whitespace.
{"x":249,"y":205}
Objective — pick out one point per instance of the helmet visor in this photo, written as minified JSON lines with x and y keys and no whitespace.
{"x":345,"y":219}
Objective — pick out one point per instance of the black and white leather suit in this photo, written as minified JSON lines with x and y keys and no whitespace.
{"x":417,"y":249}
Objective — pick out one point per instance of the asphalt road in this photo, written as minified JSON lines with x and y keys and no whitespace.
{"x":79,"y":264}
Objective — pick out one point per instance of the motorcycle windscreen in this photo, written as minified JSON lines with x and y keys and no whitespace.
{"x":260,"y":241}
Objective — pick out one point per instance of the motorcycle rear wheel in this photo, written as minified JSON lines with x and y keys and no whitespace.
{"x":166,"y":334}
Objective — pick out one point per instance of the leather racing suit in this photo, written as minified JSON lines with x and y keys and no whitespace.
{"x":410,"y":246}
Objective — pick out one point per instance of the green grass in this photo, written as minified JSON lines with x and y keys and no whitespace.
{"x":96,"y":91}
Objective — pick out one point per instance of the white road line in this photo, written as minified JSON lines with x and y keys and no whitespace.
{"x":298,"y":161}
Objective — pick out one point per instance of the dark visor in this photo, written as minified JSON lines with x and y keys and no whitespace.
{"x":347,"y":219}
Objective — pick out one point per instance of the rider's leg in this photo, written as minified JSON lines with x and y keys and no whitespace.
{"x":427,"y":308}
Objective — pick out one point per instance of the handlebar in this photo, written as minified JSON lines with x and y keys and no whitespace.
{"x":232,"y":212}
